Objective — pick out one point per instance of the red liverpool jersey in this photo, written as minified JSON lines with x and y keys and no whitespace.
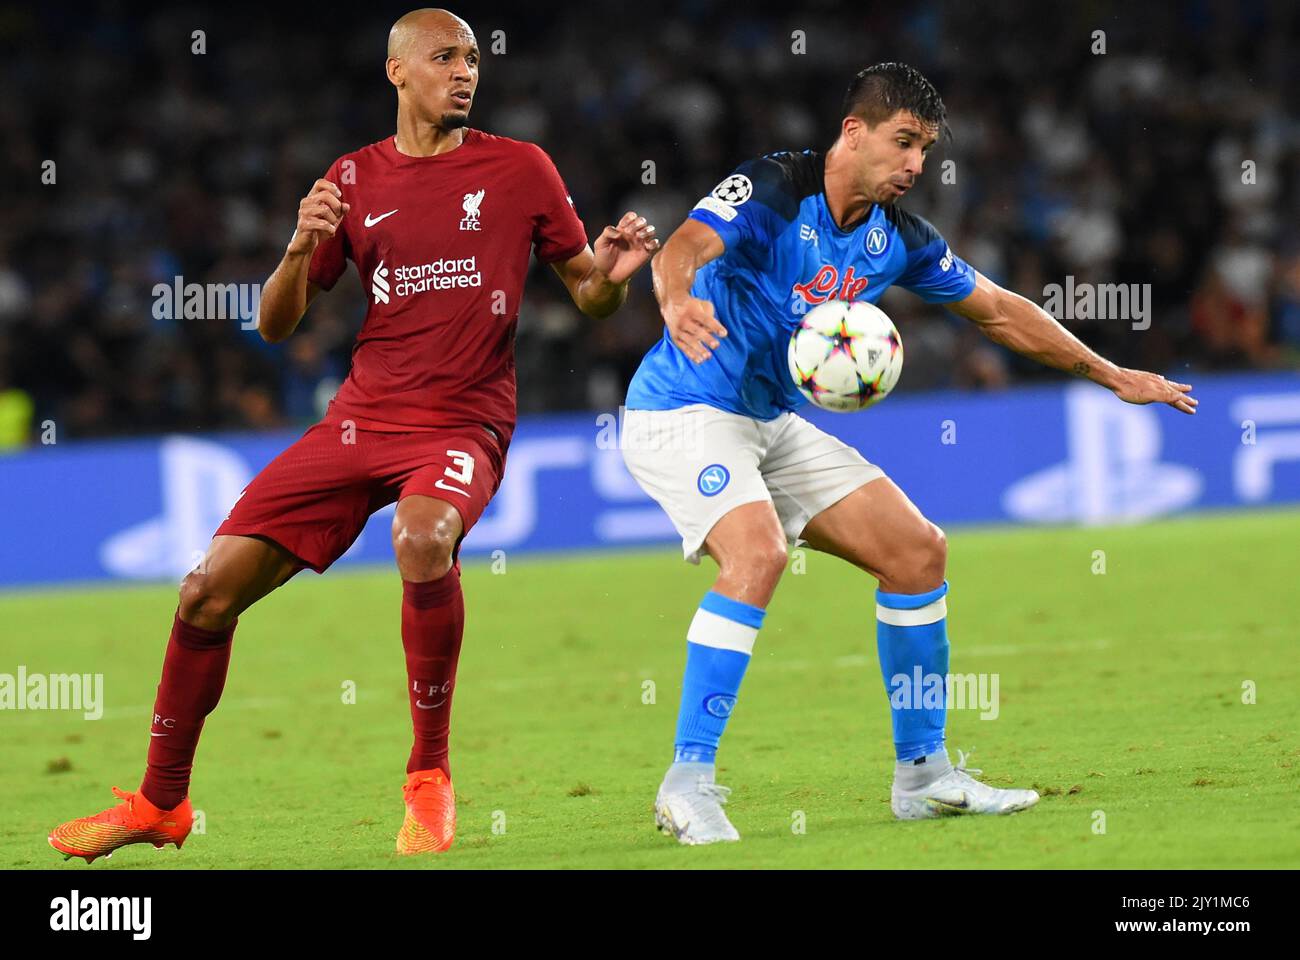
{"x":442,"y":246}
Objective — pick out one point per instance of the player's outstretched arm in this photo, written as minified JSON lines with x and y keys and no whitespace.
{"x":597,"y":280}
{"x":287,"y":292}
{"x":690,"y":321}
{"x":1023,"y":326}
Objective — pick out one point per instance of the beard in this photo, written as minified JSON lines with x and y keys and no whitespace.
{"x":454,"y":121}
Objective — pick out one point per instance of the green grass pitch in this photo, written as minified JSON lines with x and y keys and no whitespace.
{"x":1121,"y":698}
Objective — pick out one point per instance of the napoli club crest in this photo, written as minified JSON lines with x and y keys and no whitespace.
{"x":713,"y":479}
{"x":720,"y":705}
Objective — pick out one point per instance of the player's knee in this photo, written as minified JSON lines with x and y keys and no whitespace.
{"x":763,"y":562}
{"x":424,"y":548}
{"x":935,"y":563}
{"x":204,"y":604}
{"x":922,"y":565}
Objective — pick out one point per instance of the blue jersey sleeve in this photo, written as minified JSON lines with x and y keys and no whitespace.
{"x":933,"y":272}
{"x":750,"y":207}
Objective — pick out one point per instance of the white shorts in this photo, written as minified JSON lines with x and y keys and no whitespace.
{"x":700,"y":463}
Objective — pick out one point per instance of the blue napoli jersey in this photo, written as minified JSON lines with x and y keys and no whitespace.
{"x":784,"y":254}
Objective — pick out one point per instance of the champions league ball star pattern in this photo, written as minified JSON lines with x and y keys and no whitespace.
{"x":845,"y":356}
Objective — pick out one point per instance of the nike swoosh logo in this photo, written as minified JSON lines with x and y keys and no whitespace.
{"x":371,"y":221}
{"x":421,"y":705}
{"x":442,"y":485}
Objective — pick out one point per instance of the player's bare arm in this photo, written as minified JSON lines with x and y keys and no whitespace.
{"x":288,"y":292}
{"x":597,"y":279}
{"x":691,"y":321}
{"x":1021,"y":325}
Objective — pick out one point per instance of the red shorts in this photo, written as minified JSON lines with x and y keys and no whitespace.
{"x":316,"y":496}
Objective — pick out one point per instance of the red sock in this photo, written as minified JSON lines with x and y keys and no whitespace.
{"x":433,"y":621}
{"x":194,"y":673}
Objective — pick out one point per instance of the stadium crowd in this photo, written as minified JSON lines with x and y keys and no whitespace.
{"x":1171,"y":159}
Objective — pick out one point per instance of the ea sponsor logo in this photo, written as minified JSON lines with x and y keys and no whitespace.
{"x":713,"y":479}
{"x":735,"y":190}
{"x":720,"y":705}
{"x":876,"y":241}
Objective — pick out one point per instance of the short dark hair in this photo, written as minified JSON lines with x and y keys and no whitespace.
{"x":880,"y":91}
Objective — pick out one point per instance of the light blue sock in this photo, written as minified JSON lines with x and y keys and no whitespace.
{"x":718,"y":648}
{"x":912,"y":640}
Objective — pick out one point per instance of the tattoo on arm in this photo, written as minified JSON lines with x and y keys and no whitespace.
{"x":1080,"y":369}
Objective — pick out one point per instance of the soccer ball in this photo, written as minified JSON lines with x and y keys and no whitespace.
{"x":845,"y":356}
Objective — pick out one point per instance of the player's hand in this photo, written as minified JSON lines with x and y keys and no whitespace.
{"x":693,"y":327}
{"x":319,"y":216}
{"x":623,"y":250}
{"x":1138,"y":386}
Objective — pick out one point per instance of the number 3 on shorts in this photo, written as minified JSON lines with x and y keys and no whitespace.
{"x":465,"y":472}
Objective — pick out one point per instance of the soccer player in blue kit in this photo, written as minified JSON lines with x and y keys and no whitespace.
{"x":711,"y":433}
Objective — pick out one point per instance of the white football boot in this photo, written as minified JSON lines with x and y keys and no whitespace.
{"x":957,"y":792}
{"x":694,"y":816}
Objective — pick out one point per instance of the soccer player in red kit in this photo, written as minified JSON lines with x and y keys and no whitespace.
{"x":439,"y":220}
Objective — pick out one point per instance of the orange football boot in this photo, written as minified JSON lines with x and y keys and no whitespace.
{"x":430,"y":824}
{"x":135,"y":820}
